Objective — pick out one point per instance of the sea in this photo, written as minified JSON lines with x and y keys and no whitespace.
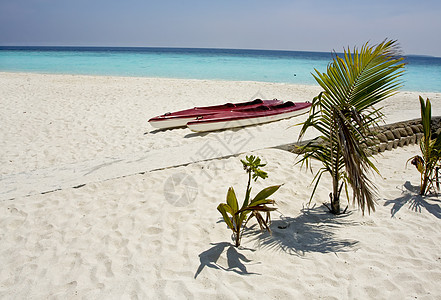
{"x":423,"y":73}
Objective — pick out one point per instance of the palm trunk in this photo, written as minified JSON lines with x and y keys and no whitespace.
{"x":437,"y":177}
{"x":335,"y":197}
{"x":238,"y":238}
{"x":335,"y":206}
{"x":238,"y":235}
{"x":424,"y":182}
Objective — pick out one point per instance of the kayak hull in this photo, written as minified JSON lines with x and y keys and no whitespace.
{"x":217,"y":122}
{"x":170,"y":123}
{"x":181,"y":118}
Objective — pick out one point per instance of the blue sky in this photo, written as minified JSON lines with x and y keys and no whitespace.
{"x":311,"y":25}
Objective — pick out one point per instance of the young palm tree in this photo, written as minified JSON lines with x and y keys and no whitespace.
{"x":343,"y":114}
{"x":427,"y":164}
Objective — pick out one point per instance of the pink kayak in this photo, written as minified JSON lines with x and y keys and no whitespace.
{"x":181,"y":118}
{"x":249,"y":116}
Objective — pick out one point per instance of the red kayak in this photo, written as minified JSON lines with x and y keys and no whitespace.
{"x":249,"y":116}
{"x":181,"y":118}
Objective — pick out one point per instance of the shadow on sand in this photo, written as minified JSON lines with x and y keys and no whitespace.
{"x":313,"y":231}
{"x":416,"y":202}
{"x":235,"y":260}
{"x":195,"y":134}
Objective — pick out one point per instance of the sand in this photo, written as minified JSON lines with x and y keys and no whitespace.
{"x":128,"y":230}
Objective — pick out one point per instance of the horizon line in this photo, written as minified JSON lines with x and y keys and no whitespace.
{"x":188,"y":48}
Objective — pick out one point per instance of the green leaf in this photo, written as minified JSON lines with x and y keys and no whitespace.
{"x":222,"y":208}
{"x":258,"y":206}
{"x":426,"y":117}
{"x":437,"y":144}
{"x":261,"y":202}
{"x":257,"y":173}
{"x":232,"y":200}
{"x":265,"y":193}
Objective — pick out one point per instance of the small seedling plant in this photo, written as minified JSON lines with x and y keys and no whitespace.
{"x":237,"y":217}
{"x":428,"y":163}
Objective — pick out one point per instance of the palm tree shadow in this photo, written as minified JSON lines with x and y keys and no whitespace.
{"x":235,"y":260}
{"x":416,"y":202}
{"x":313,"y":231}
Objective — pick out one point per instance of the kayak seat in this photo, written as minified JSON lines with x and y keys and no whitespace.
{"x":257,"y":101}
{"x":254,"y":102}
{"x":283,"y":105}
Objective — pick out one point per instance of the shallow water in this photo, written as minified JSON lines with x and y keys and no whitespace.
{"x":423,"y":73}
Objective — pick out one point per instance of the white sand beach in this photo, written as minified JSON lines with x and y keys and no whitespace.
{"x":91,"y":206}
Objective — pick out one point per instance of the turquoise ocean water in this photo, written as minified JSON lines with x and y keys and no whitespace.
{"x":423,"y":73}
